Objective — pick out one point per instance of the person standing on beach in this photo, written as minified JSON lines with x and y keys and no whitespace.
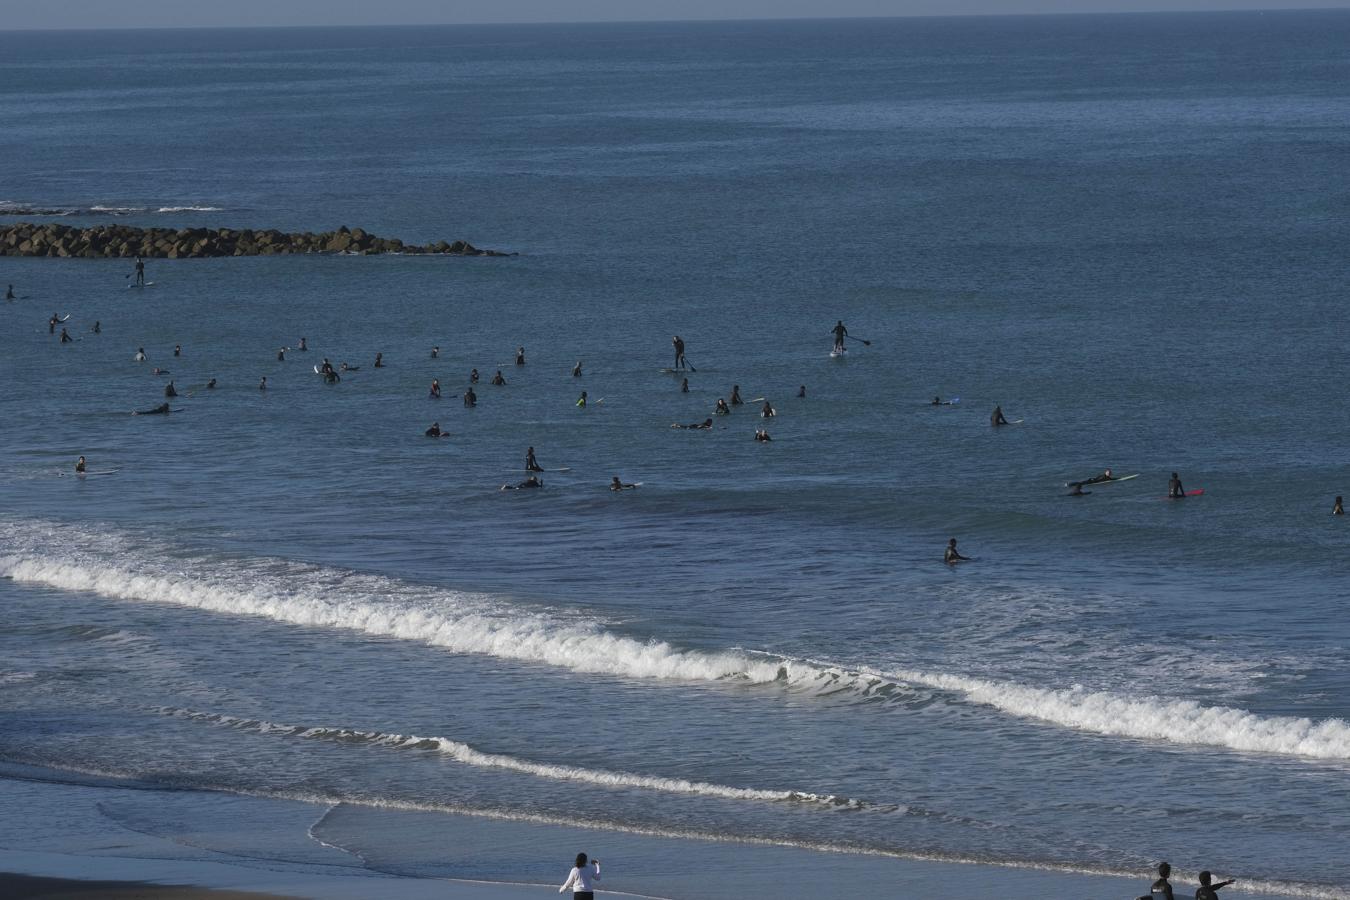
{"x":582,"y":878}
{"x":1162,"y":888}
{"x":1206,"y":890}
{"x":680,"y":361}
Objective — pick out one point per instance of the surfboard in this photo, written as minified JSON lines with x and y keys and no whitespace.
{"x":1086,"y":483}
{"x":65,"y":318}
{"x":835,"y":354}
{"x":675,"y":371}
{"x":147,"y":284}
{"x":1195,"y":493}
{"x":1017,"y":421}
{"x":562,"y":469}
{"x":100,"y":472}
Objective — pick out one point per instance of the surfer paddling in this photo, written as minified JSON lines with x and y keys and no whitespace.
{"x":617,"y":485}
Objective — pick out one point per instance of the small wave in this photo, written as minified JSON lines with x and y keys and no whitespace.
{"x":178,"y":209}
{"x":8,"y":678}
{"x":116,"y":210}
{"x":466,"y":754}
{"x":474,"y":624}
{"x":1151,"y":718}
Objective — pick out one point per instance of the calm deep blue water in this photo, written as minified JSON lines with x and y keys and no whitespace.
{"x":1129,"y":231}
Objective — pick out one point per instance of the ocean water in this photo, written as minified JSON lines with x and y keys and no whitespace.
{"x":1129,"y":231}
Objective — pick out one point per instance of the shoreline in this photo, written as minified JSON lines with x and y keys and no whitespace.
{"x":226,"y":846}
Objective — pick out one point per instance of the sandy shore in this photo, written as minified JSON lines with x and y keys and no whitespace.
{"x":22,"y":887}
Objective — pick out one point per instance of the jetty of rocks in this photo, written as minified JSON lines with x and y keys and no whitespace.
{"x":108,"y":241}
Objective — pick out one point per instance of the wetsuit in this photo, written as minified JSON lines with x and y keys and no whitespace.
{"x":169,"y":390}
{"x":679,"y":353}
{"x":997,"y":417}
{"x":520,"y":357}
{"x":65,"y":337}
{"x":162,"y":409}
{"x":470,"y":398}
{"x":140,"y":272}
{"x":434,"y":430}
{"x":1174,"y":489}
{"x":532,"y":464}
{"x":736,"y":395}
{"x":840,"y":332}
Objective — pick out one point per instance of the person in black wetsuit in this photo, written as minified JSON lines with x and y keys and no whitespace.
{"x":436,"y":352}
{"x":211,"y":385}
{"x":325,"y":367}
{"x":140,"y":271}
{"x":722,"y":408}
{"x":160,"y":410}
{"x":9,"y":294}
{"x":997,"y":418}
{"x":498,"y":380}
{"x":736,"y":395}
{"x":768,"y":412}
{"x":1336,"y":508}
{"x":331,"y":377}
{"x":169,"y":390}
{"x":79,"y":466}
{"x":281,"y":355}
{"x":473,"y":377}
{"x":1161,"y":889}
{"x":435,"y":430}
{"x":520,"y":356}
{"x":576,"y":370}
{"x":52,"y":323}
{"x":680,"y":361}
{"x":840,"y":332}
{"x":262,"y":385}
{"x":140,"y":354}
{"x":435,"y":392}
{"x":470,"y":398}
{"x":617,"y":485}
{"x":532,"y":464}
{"x":950,"y":555}
{"x":1207,"y":889}
{"x":531,"y":482}
{"x":379,"y":360}
{"x":684,"y":386}
{"x":65,"y":336}
{"x":1174,"y":489}
{"x":762,"y":435}
{"x":98,"y":327}
{"x":801,"y":392}
{"x":177,"y":349}
{"x":705,"y":425}
{"x":303,"y":346}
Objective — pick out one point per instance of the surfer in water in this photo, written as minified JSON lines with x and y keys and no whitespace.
{"x":680,"y":361}
{"x":768,"y":412}
{"x":435,"y":389}
{"x":705,"y":425}
{"x":520,"y":356}
{"x":177,"y":349}
{"x":576,"y":370}
{"x":684,"y":386}
{"x":262,"y":385}
{"x":762,"y":435}
{"x":951,"y":556}
{"x":346,"y":368}
{"x":98,"y":327}
{"x":498,"y":380}
{"x":1095,"y":479}
{"x":379,"y":360}
{"x":140,"y":354}
{"x":840,"y":332}
{"x":436,"y":352}
{"x":531,"y":482}
{"x":52,"y":323}
{"x":1207,"y":889}
{"x":615,"y":485}
{"x":331,"y":377}
{"x":473,"y":377}
{"x":65,"y":336}
{"x":722,"y":408}
{"x":325,"y":367}
{"x":1174,"y":489}
{"x":140,"y":272}
{"x":161,"y":410}
{"x":1336,"y":508}
{"x":281,"y":355}
{"x":1078,"y":490}
{"x":532,"y":464}
{"x":997,"y":418}
{"x":9,"y":293}
{"x":801,"y":392}
{"x":211,"y":385}
{"x":79,"y":466}
{"x":736,"y":395}
{"x":303,"y":346}
{"x":435,"y":430}
{"x":169,"y":390}
{"x":470,"y":398}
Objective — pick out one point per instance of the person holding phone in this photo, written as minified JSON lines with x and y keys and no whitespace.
{"x":582,"y":879}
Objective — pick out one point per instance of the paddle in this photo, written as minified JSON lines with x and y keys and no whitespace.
{"x":864,"y":343}
{"x":689,"y":364}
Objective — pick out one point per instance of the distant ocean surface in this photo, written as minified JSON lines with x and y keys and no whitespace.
{"x":1129,"y":231}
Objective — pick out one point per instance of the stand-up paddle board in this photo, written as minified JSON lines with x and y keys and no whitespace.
{"x":147,"y":284}
{"x":836,"y":354}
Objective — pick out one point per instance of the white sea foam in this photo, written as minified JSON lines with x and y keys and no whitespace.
{"x":1151,"y":718}
{"x":464,"y":753}
{"x":178,"y":209}
{"x":474,"y":624}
